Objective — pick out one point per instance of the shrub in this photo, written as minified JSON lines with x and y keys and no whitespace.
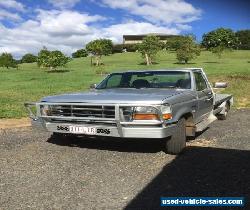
{"x":98,"y":48}
{"x":80,"y":53}
{"x":130,"y":47}
{"x":149,"y":48}
{"x":7,"y":60}
{"x":117,"y":48}
{"x":188,"y":50}
{"x":243,"y":37}
{"x":52,"y":59}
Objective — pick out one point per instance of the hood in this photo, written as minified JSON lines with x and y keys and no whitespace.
{"x":150,"y":96}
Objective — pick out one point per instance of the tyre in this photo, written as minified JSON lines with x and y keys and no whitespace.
{"x":224,"y":116}
{"x":177,"y":141}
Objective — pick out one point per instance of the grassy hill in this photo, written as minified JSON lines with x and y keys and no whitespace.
{"x":29,"y":83}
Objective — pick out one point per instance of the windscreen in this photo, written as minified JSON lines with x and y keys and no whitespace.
{"x":152,"y":79}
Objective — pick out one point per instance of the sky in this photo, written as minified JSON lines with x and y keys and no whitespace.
{"x":67,"y":25}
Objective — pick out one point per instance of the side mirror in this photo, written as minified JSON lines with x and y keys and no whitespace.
{"x":93,"y":86}
{"x":220,"y":85}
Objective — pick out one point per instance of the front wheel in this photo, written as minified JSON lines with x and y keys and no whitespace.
{"x":177,"y":141}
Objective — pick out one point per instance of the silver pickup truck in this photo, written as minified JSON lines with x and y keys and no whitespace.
{"x":169,"y":104}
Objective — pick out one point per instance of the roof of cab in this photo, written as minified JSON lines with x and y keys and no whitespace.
{"x":153,"y":70}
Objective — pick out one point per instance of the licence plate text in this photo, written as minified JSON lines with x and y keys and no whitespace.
{"x":82,"y":130}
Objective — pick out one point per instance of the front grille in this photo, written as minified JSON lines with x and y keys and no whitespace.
{"x":82,"y":111}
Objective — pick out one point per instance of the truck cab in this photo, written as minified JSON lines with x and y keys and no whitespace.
{"x":169,"y":104}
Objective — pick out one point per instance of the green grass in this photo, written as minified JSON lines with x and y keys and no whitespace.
{"x":29,"y":83}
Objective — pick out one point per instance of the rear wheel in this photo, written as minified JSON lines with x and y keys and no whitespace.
{"x":177,"y":141}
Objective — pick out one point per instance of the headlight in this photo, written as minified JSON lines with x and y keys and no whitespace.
{"x":145,"y":113}
{"x":45,"y":110}
{"x":127,"y":113}
{"x":166,"y":112}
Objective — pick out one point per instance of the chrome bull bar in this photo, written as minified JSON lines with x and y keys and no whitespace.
{"x":37,"y":115}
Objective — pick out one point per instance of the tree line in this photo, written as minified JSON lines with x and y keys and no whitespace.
{"x":186,"y":48}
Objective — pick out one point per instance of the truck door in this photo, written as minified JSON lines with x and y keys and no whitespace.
{"x":205,"y":97}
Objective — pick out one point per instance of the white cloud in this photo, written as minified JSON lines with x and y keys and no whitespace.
{"x":11,"y":4}
{"x":68,"y":31}
{"x":4,"y":14}
{"x":6,"y":5}
{"x":64,"y":30}
{"x":158,"y":11}
{"x":63,"y":3}
{"x":65,"y":23}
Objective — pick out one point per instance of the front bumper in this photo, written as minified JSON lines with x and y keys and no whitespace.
{"x":114,"y":131}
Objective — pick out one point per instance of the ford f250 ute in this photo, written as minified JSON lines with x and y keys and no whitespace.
{"x":169,"y":104}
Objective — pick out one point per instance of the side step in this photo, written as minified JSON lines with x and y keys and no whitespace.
{"x":204,"y":123}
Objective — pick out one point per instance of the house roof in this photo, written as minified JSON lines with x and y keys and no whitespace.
{"x":140,"y":36}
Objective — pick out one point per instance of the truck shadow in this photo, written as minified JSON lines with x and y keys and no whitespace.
{"x":114,"y":144}
{"x":199,"y":171}
{"x":110,"y":143}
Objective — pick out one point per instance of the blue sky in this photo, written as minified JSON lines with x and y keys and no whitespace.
{"x":67,"y":25}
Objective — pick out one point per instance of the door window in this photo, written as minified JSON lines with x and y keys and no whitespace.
{"x":200,"y":81}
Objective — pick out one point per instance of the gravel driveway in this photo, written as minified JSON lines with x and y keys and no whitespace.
{"x":39,"y":172}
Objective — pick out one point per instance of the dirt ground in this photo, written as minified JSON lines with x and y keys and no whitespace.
{"x":14,"y":123}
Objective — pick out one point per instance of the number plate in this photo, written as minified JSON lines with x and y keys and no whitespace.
{"x":82,"y":130}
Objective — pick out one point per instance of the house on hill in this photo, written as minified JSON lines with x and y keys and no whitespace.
{"x":134,"y":39}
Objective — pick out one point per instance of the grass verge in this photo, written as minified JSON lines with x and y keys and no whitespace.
{"x":29,"y":83}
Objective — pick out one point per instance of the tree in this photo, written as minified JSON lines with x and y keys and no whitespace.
{"x":219,"y":40}
{"x":174,"y":43}
{"x":51,"y":59}
{"x":243,"y":37}
{"x":149,"y":47}
{"x":218,"y":50}
{"x":188,"y":50}
{"x":57,"y":59}
{"x":80,"y":53}
{"x":43,"y":58}
{"x":7,"y":60}
{"x":29,"y":58}
{"x":108,"y":46}
{"x":98,"y":48}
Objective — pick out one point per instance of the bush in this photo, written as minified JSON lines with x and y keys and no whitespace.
{"x":243,"y":37}
{"x":174,"y":43}
{"x":51,"y":59}
{"x":7,"y":60}
{"x":43,"y":58}
{"x":130,"y":47}
{"x":80,"y":53}
{"x":149,"y":48}
{"x":188,"y":50}
{"x":29,"y":58}
{"x":98,"y":48}
{"x":57,"y":59}
{"x":222,"y":37}
{"x":117,"y":48}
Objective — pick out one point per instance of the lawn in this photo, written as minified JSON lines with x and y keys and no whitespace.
{"x":29,"y":83}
